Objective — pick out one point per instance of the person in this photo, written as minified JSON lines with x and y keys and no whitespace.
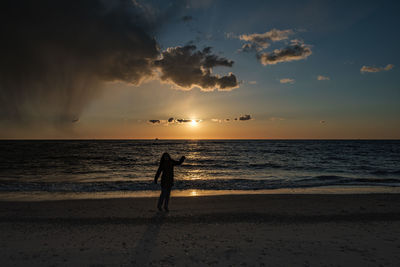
{"x":167,"y":179}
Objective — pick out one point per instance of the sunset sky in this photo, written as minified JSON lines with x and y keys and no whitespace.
{"x":214,"y":69}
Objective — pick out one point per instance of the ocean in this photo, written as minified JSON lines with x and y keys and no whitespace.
{"x":96,"y":166}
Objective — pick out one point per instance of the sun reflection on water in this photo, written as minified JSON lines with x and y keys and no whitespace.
{"x":193,"y":193}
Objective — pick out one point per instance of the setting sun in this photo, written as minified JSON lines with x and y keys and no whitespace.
{"x":193,"y":123}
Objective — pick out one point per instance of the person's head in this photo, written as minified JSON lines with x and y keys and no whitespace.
{"x":165,"y":157}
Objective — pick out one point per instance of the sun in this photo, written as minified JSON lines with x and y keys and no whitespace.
{"x":193,"y":123}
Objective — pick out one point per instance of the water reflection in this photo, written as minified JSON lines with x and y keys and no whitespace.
{"x":193,"y":193}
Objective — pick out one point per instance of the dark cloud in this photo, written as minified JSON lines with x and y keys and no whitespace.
{"x":172,"y":120}
{"x":187,"y":67}
{"x":245,"y":118}
{"x":295,"y":51}
{"x":183,"y":120}
{"x":55,"y":55}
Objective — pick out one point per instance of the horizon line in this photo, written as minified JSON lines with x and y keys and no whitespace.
{"x":200,"y":139}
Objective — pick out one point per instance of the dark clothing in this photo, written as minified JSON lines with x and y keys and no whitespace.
{"x":167,"y":178}
{"x":164,"y":197}
{"x":167,"y":169}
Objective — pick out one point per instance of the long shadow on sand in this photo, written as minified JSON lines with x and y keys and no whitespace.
{"x":147,"y":242}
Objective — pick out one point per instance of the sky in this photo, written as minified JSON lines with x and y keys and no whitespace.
{"x":204,"y":69}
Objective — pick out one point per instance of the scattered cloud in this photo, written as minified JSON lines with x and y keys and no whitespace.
{"x":295,"y":51}
{"x":323,"y":78}
{"x":183,"y":120}
{"x":245,"y":118}
{"x":287,"y":80}
{"x":365,"y":69}
{"x":276,"y":119}
{"x":260,"y":41}
{"x":186,"y":67}
{"x":172,"y":121}
{"x":216,"y":120}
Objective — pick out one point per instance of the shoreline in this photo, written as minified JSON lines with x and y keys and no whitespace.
{"x":327,"y":190}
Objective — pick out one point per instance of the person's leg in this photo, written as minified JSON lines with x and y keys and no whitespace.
{"x":167,"y":195}
{"x":161,"y":199}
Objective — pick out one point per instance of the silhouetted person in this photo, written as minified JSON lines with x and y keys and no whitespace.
{"x":167,"y":178}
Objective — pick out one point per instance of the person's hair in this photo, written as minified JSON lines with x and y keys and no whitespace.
{"x":162,"y":160}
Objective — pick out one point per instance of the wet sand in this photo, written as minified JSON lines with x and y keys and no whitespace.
{"x":254,"y":230}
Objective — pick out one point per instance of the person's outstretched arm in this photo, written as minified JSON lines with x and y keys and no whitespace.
{"x":157,"y":174}
{"x":180,"y":161}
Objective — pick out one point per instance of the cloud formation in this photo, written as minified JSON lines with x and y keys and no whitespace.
{"x":187,"y":67}
{"x":323,"y":78}
{"x":260,"y":41}
{"x":183,"y":120}
{"x":172,"y":121}
{"x":241,"y":118}
{"x":57,"y":54}
{"x":287,"y":80}
{"x":365,"y":69}
{"x":295,"y":51}
{"x":245,"y":118}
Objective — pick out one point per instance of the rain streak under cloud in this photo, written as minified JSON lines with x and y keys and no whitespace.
{"x":75,"y":47}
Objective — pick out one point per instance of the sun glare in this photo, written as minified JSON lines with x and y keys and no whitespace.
{"x":193,"y":123}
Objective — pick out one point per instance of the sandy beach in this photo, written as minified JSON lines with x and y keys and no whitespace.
{"x":252,"y":230}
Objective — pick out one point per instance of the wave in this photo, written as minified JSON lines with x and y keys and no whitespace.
{"x":385,"y":172}
{"x":95,"y":165}
{"x":205,"y":184}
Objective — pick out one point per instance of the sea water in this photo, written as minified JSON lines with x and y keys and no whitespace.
{"x":93,"y":166}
